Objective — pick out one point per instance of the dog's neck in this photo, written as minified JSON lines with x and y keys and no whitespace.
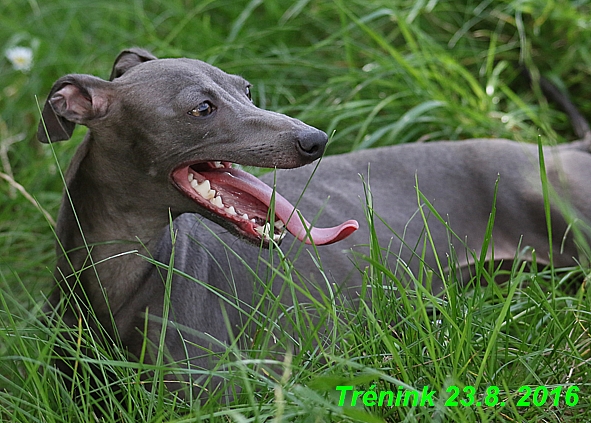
{"x":103,"y":239}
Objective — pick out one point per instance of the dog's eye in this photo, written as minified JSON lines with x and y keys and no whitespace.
{"x":204,"y":109}
{"x":248,"y":93}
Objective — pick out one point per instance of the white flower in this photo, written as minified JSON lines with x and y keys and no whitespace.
{"x":20,"y":57}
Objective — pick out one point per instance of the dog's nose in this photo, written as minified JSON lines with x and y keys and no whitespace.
{"x":311,"y":143}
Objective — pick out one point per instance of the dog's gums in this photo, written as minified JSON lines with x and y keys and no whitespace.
{"x":244,"y":201}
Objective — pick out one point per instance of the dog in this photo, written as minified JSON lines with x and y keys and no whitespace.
{"x":154,"y":204}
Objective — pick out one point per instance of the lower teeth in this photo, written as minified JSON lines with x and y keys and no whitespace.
{"x":265,"y":233}
{"x":205,"y":191}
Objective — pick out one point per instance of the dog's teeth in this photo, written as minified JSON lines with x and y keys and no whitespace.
{"x":267,"y":230}
{"x":245,"y":216}
{"x":217,"y":201}
{"x":203,"y":189}
{"x":203,"y":193}
{"x":190,"y":177}
{"x":205,"y":185}
{"x":264,"y":231}
{"x":279,"y":224}
{"x":253,"y":221}
{"x":231,"y":210}
{"x":200,"y":189}
{"x":218,"y":165}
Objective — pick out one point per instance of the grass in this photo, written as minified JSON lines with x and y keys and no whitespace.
{"x":371,"y":72}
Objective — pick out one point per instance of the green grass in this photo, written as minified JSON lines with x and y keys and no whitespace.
{"x":371,"y":72}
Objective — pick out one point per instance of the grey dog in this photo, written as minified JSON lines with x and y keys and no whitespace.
{"x":164,"y":138}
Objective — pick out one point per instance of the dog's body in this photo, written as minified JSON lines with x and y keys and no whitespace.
{"x":157,"y":118}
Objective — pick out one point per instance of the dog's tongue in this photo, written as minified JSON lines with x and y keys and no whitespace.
{"x":287,"y":213}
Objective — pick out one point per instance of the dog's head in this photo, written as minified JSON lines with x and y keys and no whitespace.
{"x":184,"y":123}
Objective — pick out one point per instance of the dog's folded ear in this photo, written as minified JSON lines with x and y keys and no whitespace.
{"x":127,"y":59}
{"x":73,"y":99}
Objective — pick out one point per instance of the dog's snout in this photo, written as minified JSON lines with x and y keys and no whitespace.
{"x":311,"y":143}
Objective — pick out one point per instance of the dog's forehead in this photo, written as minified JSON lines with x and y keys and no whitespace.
{"x":179,"y":72}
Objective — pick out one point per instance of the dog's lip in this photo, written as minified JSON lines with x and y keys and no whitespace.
{"x":250,"y":200}
{"x":202,"y":171}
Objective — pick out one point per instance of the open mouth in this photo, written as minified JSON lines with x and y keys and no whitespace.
{"x":244,"y":202}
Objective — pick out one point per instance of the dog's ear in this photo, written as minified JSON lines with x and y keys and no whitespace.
{"x":127,"y":59}
{"x":73,"y":99}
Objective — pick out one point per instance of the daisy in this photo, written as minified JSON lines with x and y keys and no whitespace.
{"x":20,"y":57}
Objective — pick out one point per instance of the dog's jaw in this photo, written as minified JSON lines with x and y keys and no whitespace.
{"x":242,"y":203}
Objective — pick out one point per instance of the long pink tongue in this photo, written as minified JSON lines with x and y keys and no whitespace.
{"x":285,"y":211}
